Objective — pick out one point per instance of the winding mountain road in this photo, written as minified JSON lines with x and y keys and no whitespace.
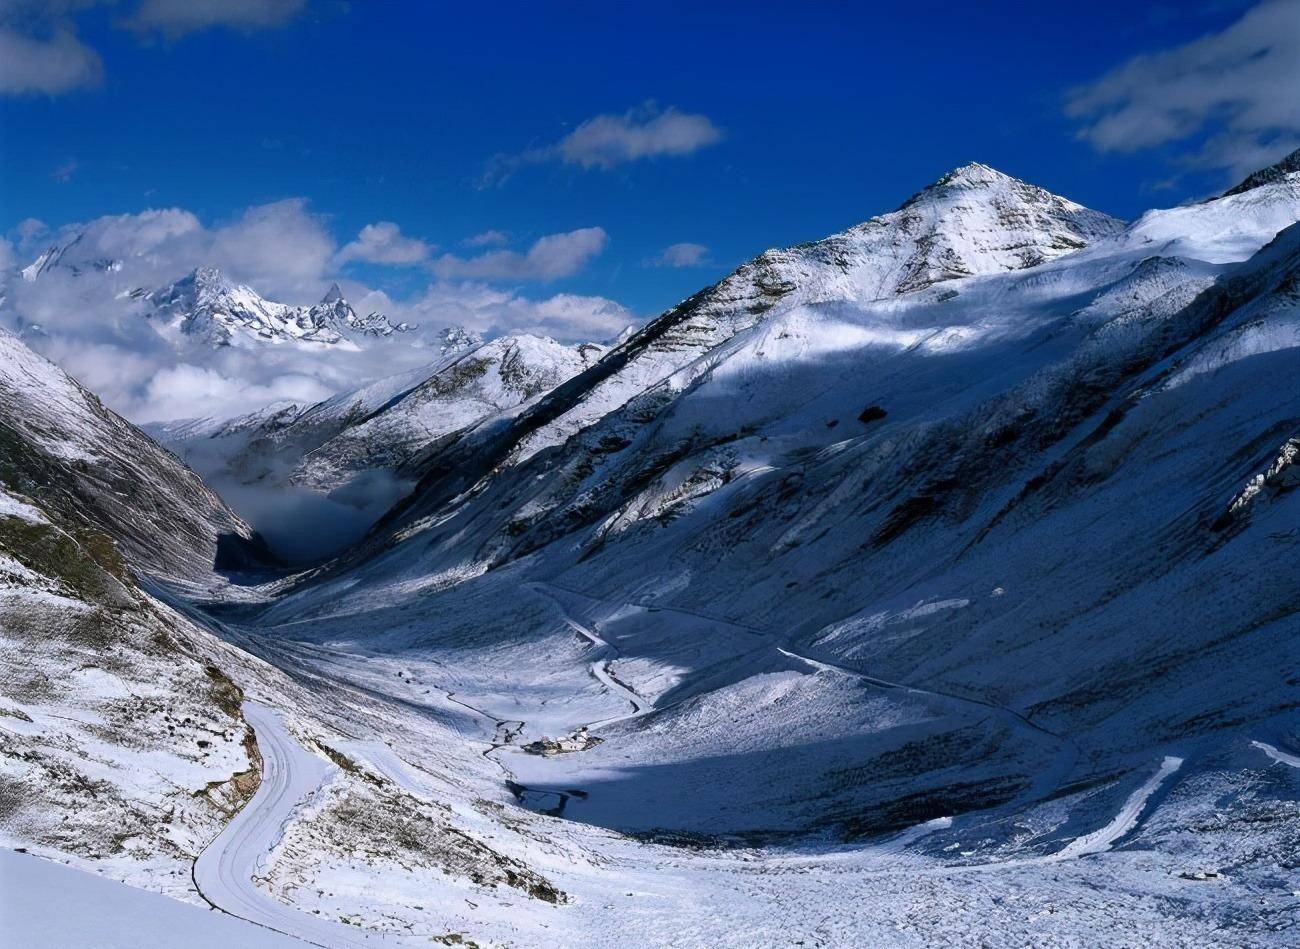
{"x":226,"y":872}
{"x":607,"y":653}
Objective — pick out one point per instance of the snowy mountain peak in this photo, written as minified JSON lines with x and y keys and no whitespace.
{"x":973,"y":174}
{"x":207,"y":305}
{"x":64,"y":256}
{"x":976,"y":181}
{"x":456,"y":338}
{"x":973,"y":220}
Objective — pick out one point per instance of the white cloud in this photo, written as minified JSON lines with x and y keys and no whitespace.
{"x":283,"y":248}
{"x":137,"y":237}
{"x":645,"y":132}
{"x":30,"y":229}
{"x":52,"y":64}
{"x":680,"y":255}
{"x":175,"y":18}
{"x":492,"y":311}
{"x":571,"y":316}
{"x":488,"y":239}
{"x":217,"y":394}
{"x":550,"y":258}
{"x":280,"y":248}
{"x":40,"y":52}
{"x":384,"y":243}
{"x":1239,"y":86}
{"x":605,"y":141}
{"x":90,"y":323}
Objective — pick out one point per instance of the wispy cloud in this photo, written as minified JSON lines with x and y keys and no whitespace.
{"x":384,"y":243}
{"x":680,"y":255}
{"x":41,"y":53}
{"x":52,"y":62}
{"x":606,"y":141}
{"x":175,"y":18}
{"x":1236,"y":88}
{"x":488,"y":239}
{"x":64,"y":172}
{"x":550,"y":258}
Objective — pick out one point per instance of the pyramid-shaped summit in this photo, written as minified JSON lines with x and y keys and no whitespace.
{"x":973,"y":220}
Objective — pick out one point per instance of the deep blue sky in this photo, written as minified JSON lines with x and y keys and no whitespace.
{"x":385,"y":111}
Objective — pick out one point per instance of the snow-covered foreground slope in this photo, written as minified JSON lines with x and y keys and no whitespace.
{"x":929,"y":585}
{"x":44,"y":906}
{"x":127,"y":745}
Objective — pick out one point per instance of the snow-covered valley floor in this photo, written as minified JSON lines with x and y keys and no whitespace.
{"x":705,"y":814}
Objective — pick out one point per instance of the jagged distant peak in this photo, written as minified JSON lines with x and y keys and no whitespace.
{"x":208,"y":305}
{"x":456,"y":338}
{"x":55,"y":256}
{"x":1275,"y":172}
{"x":206,"y":278}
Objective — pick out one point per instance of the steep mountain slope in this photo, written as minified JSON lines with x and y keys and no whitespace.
{"x":981,"y":560}
{"x":1281,"y":171}
{"x":63,"y":448}
{"x":973,"y":220}
{"x":121,"y":742}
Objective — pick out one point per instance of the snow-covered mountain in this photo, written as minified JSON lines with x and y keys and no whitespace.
{"x":972,"y":221}
{"x":968,"y":561}
{"x":206,"y":306}
{"x":66,"y":256}
{"x":948,"y":559}
{"x":64,"y":449}
{"x":384,"y":428}
{"x":486,"y":381}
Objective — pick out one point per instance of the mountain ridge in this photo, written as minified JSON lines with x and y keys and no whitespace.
{"x":206,"y":305}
